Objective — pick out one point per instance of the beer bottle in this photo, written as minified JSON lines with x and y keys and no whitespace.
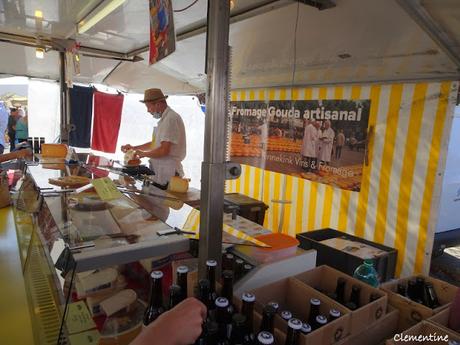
{"x":247,"y":268}
{"x":155,"y":307}
{"x":412,"y":291}
{"x":182,"y":272}
{"x":354,"y":304}
{"x":340,"y":290}
{"x":223,"y":318}
{"x":420,"y":284}
{"x":274,"y":305}
{"x":227,"y":262}
{"x":211,"y":276}
{"x":238,"y":268}
{"x":334,"y":314}
{"x":315,"y":304}
{"x":248,"y":309}
{"x":401,"y":289}
{"x":265,"y":338}
{"x":211,"y":266}
{"x":239,"y":333}
{"x":286,"y":315}
{"x":306,"y":328}
{"x":175,"y":296}
{"x":320,"y":321}
{"x":212,"y":333}
{"x":205,"y":296}
{"x":227,"y":288}
{"x":431,"y":297}
{"x":294,"y":327}
{"x":268,"y":319}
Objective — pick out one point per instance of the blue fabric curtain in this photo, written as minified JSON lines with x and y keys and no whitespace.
{"x":81,"y":114}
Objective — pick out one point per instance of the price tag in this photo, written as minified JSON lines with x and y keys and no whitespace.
{"x":106,"y":189}
{"x":78,"y":318}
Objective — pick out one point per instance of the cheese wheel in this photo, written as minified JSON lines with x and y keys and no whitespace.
{"x":119,"y":301}
{"x":178,"y":185}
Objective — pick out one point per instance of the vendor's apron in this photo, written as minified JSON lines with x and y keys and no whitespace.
{"x":165,"y":167}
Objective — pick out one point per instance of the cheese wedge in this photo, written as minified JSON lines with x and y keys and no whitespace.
{"x":119,"y":301}
{"x":104,"y":279}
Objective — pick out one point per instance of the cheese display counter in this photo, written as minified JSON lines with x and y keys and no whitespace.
{"x":86,"y":261}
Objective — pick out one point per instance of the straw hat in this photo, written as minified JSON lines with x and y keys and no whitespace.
{"x":152,"y":95}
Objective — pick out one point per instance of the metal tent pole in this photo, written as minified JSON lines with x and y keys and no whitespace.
{"x":213,"y":166}
{"x":64,"y":95}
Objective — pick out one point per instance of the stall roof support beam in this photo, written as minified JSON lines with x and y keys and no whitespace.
{"x":213,"y":166}
{"x":421,"y":16}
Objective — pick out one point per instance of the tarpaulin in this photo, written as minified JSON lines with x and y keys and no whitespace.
{"x":81,"y":113}
{"x":107,"y":118}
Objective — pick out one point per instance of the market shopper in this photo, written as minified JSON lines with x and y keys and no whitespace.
{"x":12,"y":119}
{"x":3,"y":125}
{"x":167,"y":148}
{"x":181,"y":325}
{"x":22,"y":130}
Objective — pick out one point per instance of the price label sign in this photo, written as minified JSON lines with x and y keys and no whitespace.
{"x":106,"y":189}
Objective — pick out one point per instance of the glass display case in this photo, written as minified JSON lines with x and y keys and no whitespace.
{"x":79,"y":251}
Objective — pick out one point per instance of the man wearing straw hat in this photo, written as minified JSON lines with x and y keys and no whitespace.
{"x":168,"y":146}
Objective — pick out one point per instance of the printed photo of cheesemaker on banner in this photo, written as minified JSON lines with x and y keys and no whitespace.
{"x":318,"y":140}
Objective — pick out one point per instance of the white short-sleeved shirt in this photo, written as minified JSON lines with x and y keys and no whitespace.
{"x":170,"y":128}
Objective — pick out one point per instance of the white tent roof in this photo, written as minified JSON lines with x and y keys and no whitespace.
{"x":356,"y":41}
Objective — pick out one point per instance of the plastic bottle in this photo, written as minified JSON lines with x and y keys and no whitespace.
{"x":367,"y":273}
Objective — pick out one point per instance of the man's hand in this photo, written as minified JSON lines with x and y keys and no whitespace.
{"x":181,"y":325}
{"x":126,"y":148}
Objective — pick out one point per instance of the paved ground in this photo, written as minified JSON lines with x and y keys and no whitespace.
{"x":447,"y":266}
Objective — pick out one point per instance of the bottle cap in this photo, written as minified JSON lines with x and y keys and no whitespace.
{"x":321,"y":319}
{"x":211,"y":263}
{"x":275,"y":305}
{"x":247,"y":267}
{"x":315,"y":301}
{"x":182,"y":269}
{"x":334,"y":313}
{"x":229,"y":256}
{"x":204,"y":283}
{"x":286,"y":315}
{"x":239,"y":261}
{"x":221,"y":302}
{"x":174,"y":289}
{"x":306,"y":328}
{"x":269,"y":309}
{"x":248,"y":297}
{"x":227,"y":274}
{"x":295,"y":324}
{"x":265,"y":338}
{"x":156,"y":274}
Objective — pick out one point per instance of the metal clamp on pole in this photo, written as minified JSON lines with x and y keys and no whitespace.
{"x":232,"y":170}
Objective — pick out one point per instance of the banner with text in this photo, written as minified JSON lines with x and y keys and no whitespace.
{"x":319,"y":140}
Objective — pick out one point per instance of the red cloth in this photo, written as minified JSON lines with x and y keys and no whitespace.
{"x":106,"y":122}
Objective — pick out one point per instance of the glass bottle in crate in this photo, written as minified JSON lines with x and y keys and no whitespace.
{"x":367,"y":273}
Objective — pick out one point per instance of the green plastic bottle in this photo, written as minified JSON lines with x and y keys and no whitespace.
{"x":367,"y":273}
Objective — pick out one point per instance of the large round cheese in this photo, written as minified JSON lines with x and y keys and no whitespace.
{"x":178,"y":185}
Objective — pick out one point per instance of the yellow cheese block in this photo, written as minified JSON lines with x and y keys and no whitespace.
{"x":178,"y":185}
{"x":54,"y":150}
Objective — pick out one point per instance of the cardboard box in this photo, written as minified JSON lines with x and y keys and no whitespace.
{"x":344,"y":260}
{"x":324,"y":278}
{"x":377,"y":332}
{"x":422,"y":331}
{"x":411,"y":312}
{"x":441,"y":319}
{"x":293,"y":295}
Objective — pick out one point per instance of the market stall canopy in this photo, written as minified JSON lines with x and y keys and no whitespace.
{"x":274,"y":43}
